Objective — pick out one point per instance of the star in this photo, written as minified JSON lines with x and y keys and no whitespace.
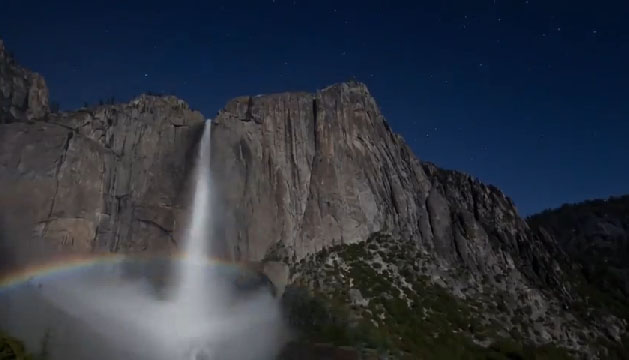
{"x":558,"y":29}
{"x":594,"y":32}
{"x":146,"y":75}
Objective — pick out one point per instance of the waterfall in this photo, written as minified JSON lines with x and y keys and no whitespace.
{"x":193,"y":281}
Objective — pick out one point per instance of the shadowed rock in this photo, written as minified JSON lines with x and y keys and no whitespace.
{"x":23,"y":94}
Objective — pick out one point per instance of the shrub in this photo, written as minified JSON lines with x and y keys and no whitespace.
{"x":12,"y":349}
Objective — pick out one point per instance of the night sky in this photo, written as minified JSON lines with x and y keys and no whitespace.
{"x":531,"y":96}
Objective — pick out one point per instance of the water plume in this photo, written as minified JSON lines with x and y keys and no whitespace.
{"x":192,"y":282}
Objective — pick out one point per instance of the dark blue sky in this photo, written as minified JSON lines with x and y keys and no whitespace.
{"x":531,"y":96}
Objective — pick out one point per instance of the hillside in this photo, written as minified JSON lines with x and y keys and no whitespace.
{"x":595,"y":234}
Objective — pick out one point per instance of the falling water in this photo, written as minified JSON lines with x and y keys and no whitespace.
{"x":192,"y":275}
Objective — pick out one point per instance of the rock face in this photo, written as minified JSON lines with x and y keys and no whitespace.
{"x":313,"y":170}
{"x":106,"y":178}
{"x":278,"y":274}
{"x":23,"y":94}
{"x":301,"y":172}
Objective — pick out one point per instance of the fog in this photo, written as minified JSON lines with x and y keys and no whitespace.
{"x":99,"y":313}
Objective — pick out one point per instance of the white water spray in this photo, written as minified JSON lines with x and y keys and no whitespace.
{"x":192,"y":275}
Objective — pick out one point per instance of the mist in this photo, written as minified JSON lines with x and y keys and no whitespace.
{"x":99,"y":313}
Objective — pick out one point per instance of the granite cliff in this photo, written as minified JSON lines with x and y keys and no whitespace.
{"x":320,"y":191}
{"x":101,"y":178}
{"x":302,"y":171}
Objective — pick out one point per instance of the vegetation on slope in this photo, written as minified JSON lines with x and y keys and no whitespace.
{"x":595,"y":234}
{"x":12,"y":349}
{"x":345,"y":296}
{"x":568,"y":215}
